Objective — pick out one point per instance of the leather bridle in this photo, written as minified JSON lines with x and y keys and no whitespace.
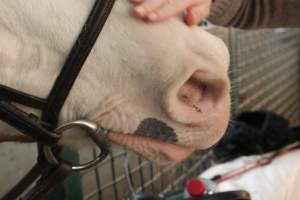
{"x":50,"y":170}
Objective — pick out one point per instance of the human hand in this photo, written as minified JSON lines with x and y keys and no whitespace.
{"x":160,"y":10}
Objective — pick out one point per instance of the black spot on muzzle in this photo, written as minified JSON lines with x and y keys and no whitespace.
{"x":156,"y":129}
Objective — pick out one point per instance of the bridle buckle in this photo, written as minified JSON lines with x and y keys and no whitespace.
{"x":97,"y":133}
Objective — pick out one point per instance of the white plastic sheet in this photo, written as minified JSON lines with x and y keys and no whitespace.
{"x":279,"y":180}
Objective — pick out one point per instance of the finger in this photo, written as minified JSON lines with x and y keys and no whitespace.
{"x":147,"y":7}
{"x":170,"y":10}
{"x":195,"y":14}
{"x":137,"y":1}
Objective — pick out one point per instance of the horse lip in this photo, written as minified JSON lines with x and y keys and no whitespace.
{"x":154,"y":149}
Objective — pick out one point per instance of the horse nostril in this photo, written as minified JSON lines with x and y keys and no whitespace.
{"x":200,"y":96}
{"x":191,"y":93}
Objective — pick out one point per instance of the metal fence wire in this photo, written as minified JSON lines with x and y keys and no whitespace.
{"x":265,"y":74}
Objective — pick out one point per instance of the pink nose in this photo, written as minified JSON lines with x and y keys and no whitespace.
{"x":198,"y":97}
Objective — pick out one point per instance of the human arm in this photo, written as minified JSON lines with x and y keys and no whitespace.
{"x":252,"y":14}
{"x":245,"y":14}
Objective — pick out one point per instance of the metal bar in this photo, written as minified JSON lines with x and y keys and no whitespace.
{"x":114,"y":176}
{"x":98,"y":181}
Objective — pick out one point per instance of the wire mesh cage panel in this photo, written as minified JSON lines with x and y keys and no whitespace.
{"x":268,"y":71}
{"x":265,"y":74}
{"x":108,"y":180}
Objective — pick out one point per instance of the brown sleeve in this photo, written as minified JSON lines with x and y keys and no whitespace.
{"x":251,"y":14}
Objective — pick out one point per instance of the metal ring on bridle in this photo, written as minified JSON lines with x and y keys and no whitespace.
{"x":95,"y":132}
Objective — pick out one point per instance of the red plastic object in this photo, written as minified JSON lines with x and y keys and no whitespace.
{"x":195,"y":188}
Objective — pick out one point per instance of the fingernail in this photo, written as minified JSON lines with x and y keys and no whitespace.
{"x":152,"y":16}
{"x":140,"y":10}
